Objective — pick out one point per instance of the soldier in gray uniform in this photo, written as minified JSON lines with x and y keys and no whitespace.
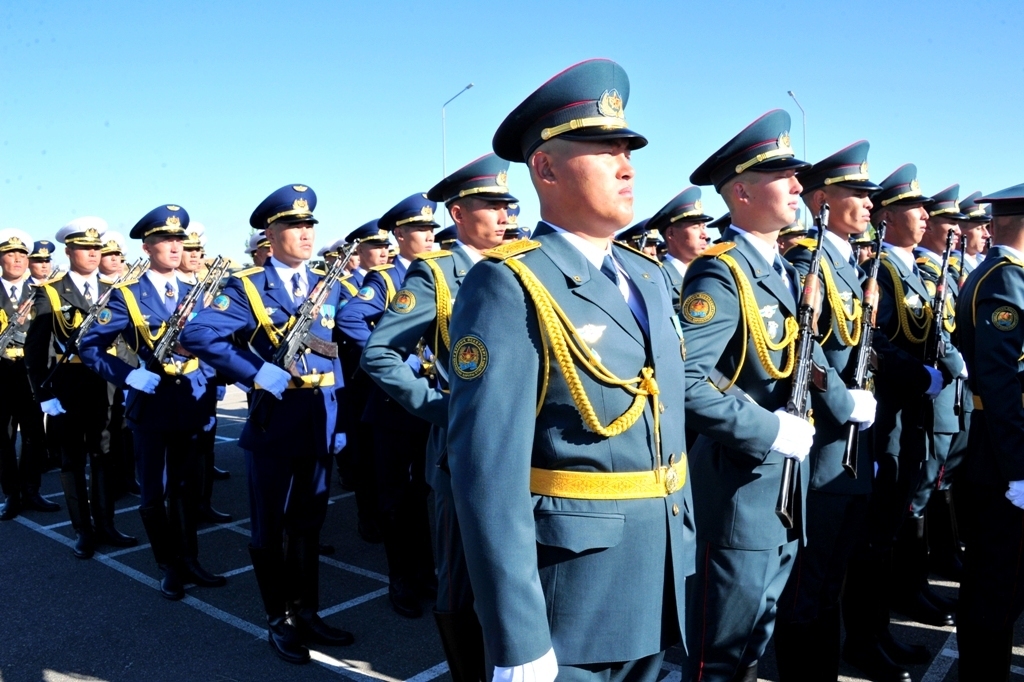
{"x":682,"y":221}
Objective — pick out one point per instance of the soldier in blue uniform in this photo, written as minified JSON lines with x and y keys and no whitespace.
{"x":566,"y":418}
{"x":290,"y":433}
{"x":162,"y":408}
{"x":682,"y":222}
{"x":40,"y":261}
{"x":398,"y":453}
{"x":19,"y":476}
{"x":807,"y":632}
{"x":477,"y":198}
{"x":903,"y":384}
{"x":738,"y":316}
{"x":72,"y":391}
{"x":992,"y":340}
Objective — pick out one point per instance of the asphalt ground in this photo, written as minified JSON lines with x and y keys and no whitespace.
{"x":64,"y":619}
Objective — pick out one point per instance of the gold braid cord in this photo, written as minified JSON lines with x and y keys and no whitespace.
{"x":843,"y":318}
{"x":3,"y":319}
{"x":922,"y":320}
{"x":758,"y":332}
{"x":58,"y":318}
{"x":259,"y":312}
{"x":443,"y":299}
{"x":559,"y":336}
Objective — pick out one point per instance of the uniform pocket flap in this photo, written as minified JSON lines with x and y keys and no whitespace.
{"x":579,"y":531}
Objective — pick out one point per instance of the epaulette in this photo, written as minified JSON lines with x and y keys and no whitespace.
{"x":929,"y":263}
{"x":511,"y":249}
{"x":717,"y":249}
{"x":429,"y":255}
{"x":641,"y":253}
{"x":106,"y":280}
{"x":1013,"y":259}
{"x":318,"y":271}
{"x":382,"y":268}
{"x":248,"y":271}
{"x":126,"y":283}
{"x":59,"y":276}
{"x":807,"y":243}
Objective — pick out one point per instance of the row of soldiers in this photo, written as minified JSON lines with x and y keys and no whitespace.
{"x":625,"y":454}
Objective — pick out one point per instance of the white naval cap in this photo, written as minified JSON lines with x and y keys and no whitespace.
{"x":257,"y":240}
{"x":195,"y":235}
{"x":12,"y":239}
{"x":113,"y":242}
{"x":84,"y":231}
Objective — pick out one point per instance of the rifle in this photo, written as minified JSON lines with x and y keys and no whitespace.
{"x":13,"y":324}
{"x":864,"y":350}
{"x":958,"y":383}
{"x":71,"y":346}
{"x":298,"y":337}
{"x":935,"y":345}
{"x":803,"y":371}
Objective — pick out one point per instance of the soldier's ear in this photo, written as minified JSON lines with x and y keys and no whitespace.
{"x":541,"y":163}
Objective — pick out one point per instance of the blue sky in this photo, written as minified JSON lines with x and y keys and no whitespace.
{"x":112,"y":108}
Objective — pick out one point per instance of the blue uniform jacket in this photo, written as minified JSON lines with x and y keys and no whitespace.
{"x":738,"y":474}
{"x":303,"y":422}
{"x":597,"y":579}
{"x":175,"y":405}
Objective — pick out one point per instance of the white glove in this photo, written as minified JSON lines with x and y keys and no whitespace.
{"x":143,"y":380}
{"x":1015,"y":494}
{"x":936,"y":385}
{"x":544,"y":669}
{"x":51,"y":407}
{"x":863,"y":408}
{"x":795,"y":436}
{"x":272,"y":379}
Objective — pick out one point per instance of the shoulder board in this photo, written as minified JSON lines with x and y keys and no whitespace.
{"x":248,"y":271}
{"x":1013,"y":259}
{"x":717,"y":249}
{"x":59,"y":276}
{"x":106,"y":280}
{"x":430,"y":255}
{"x":126,"y":283}
{"x":808,"y":243}
{"x":318,"y":271}
{"x":641,"y":253}
{"x":511,"y":249}
{"x":928,"y":263}
{"x":382,"y":268}
{"x":954,"y":261}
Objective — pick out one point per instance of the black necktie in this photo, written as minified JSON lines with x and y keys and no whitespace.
{"x":87,"y":293}
{"x":853,"y":261}
{"x":609,"y":270}
{"x":14,"y":293}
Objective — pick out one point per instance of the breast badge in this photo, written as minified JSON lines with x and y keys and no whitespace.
{"x":1004,"y":318}
{"x":591,"y":333}
{"x":469,"y":357}
{"x":698,"y":308}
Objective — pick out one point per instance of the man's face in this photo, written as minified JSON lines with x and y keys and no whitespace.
{"x":260,"y":256}
{"x":329,"y":260}
{"x":191,"y":261}
{"x":414,"y":239}
{"x":164,"y":252}
{"x":40,"y":269}
{"x":767,"y":202}
{"x":371,"y":254}
{"x":974,"y":236}
{"x":687,"y":241}
{"x":480,"y":224}
{"x":353,"y":262}
{"x":13,"y":264}
{"x":849,"y":209}
{"x":83,"y":259}
{"x":935,"y":233}
{"x":291,"y":243}
{"x":906,"y":224}
{"x":865,"y":253}
{"x":110,"y":264}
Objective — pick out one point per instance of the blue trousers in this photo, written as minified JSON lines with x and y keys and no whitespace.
{"x":286,"y":494}
{"x":166,"y":462}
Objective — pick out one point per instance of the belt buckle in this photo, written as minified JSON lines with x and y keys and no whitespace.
{"x":315,"y":380}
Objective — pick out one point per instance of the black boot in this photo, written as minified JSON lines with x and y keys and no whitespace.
{"x":183,"y":518}
{"x":77,"y":502}
{"x":154,"y":520}
{"x":871,"y":659}
{"x":205,"y":444}
{"x":911,"y":594}
{"x":904,"y":654}
{"x":103,"y":510}
{"x":311,"y":628}
{"x":284,"y":639}
{"x":463,"y":642}
{"x":946,"y":558}
{"x":11,"y":508}
{"x":31,"y":499}
{"x":985,"y":653}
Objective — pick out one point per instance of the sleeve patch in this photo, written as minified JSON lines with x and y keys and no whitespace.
{"x":698,"y":308}
{"x":105,"y":316}
{"x":1005,"y":319}
{"x":469,"y":357}
{"x":404,"y":302}
{"x":366,"y":294}
{"x":221,"y":302}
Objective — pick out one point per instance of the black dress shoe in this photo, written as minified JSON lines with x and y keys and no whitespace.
{"x":918,"y":608}
{"x":325,"y":549}
{"x":171,"y":586}
{"x":10,"y":509}
{"x":38,"y":503}
{"x":873,"y":661}
{"x":404,"y":601}
{"x":426,"y":588}
{"x":313,"y":630}
{"x":905,"y":654}
{"x":285,"y":641}
{"x":84,"y":547}
{"x":369,"y":532}
{"x":194,"y":573}
{"x":221,"y":474}
{"x":211,"y":515}
{"x":107,"y":534}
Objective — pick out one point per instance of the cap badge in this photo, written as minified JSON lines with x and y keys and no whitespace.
{"x":610,"y":104}
{"x":44,"y":251}
{"x":784,"y":141}
{"x":427,"y":212}
{"x":194,"y":236}
{"x":502,"y":179}
{"x":864,"y":167}
{"x":300,"y":205}
{"x":513,"y":220}
{"x":14,"y":241}
{"x":92,"y":233}
{"x":173,"y":221}
{"x":698,"y":206}
{"x":299,"y":188}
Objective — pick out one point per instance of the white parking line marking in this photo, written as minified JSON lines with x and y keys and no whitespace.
{"x":430,"y":673}
{"x":943,"y":662}
{"x":351,"y":603}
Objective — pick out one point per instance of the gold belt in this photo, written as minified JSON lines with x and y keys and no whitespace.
{"x":14,"y":353}
{"x":979,"y":406}
{"x":313,"y":380}
{"x":178,"y":368}
{"x":597,"y":485}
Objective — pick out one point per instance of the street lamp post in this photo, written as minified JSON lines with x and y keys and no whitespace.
{"x":444,"y":144}
{"x":803,"y":116}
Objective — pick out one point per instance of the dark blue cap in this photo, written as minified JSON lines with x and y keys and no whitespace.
{"x":975,"y":212}
{"x":722,"y":223}
{"x":585,"y":102}
{"x":446,"y":236}
{"x":762,"y":146}
{"x":512,"y":229}
{"x":486,"y":178}
{"x":946,"y":204}
{"x":290,"y":204}
{"x":684,"y":208}
{"x":636,"y":233}
{"x":42,"y":250}
{"x":794,"y":228}
{"x":846,"y":168}
{"x":1009,"y":201}
{"x":169,"y":219}
{"x":413,"y":211}
{"x":367,"y":232}
{"x":900,"y":188}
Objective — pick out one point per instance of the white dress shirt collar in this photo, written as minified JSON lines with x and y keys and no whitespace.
{"x":472,"y":253}
{"x":841,"y":244}
{"x":766,"y":250}
{"x":676,"y":263}
{"x":161,"y":281}
{"x":80,"y":280}
{"x":905,"y":256}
